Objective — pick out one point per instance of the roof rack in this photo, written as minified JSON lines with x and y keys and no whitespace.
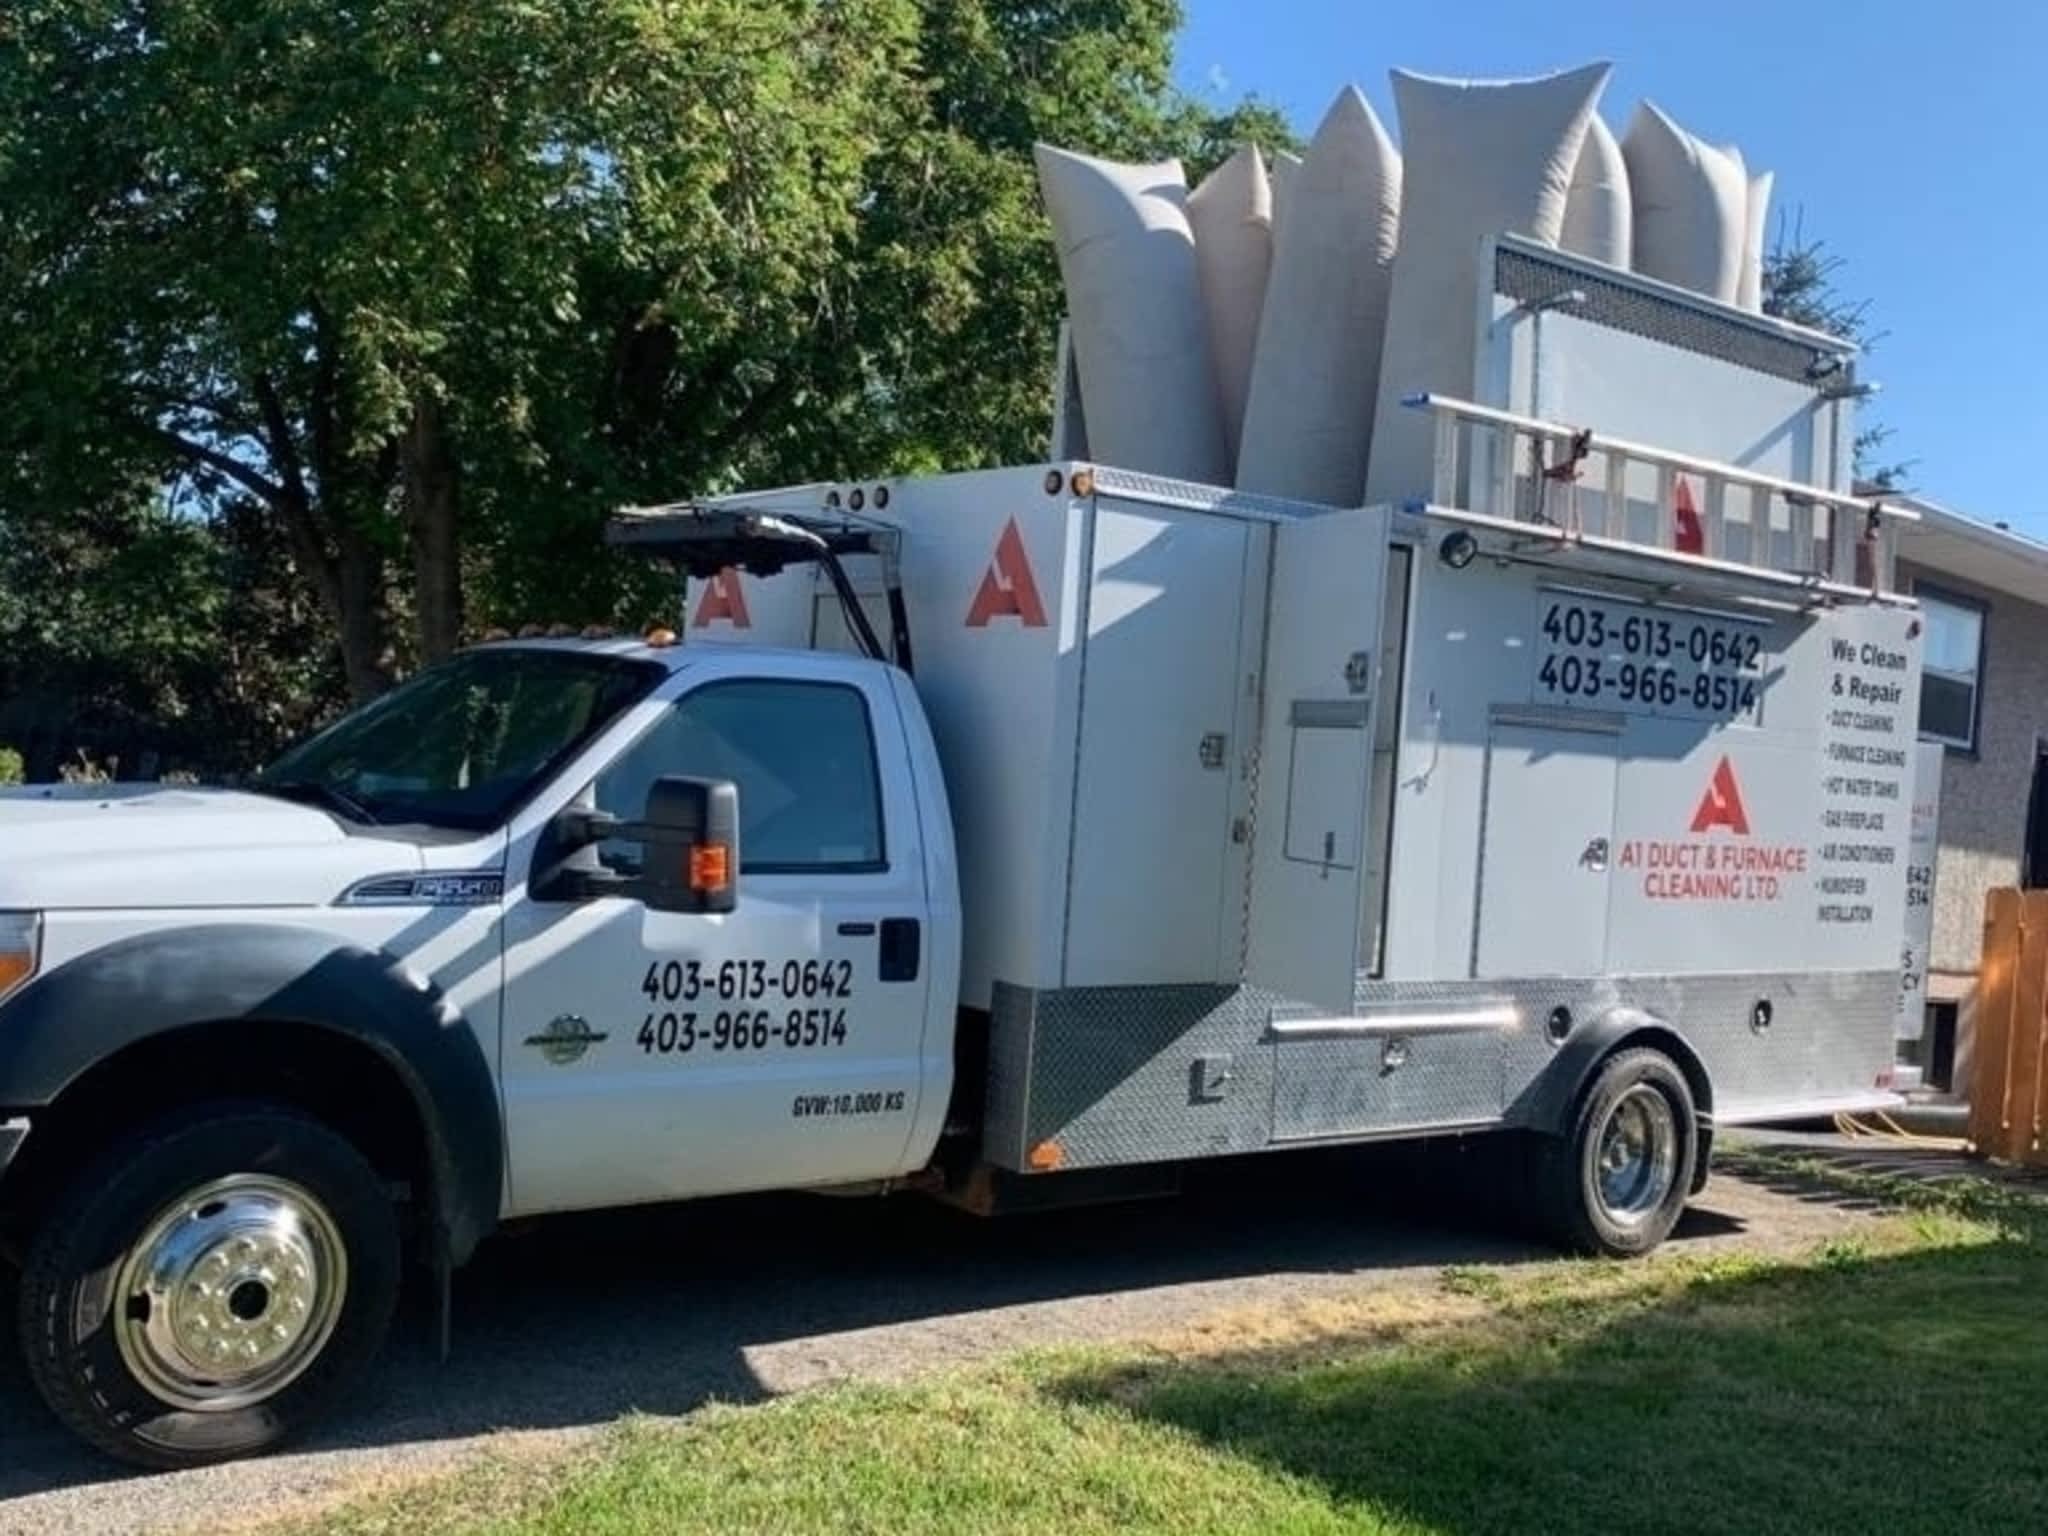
{"x":705,"y":538}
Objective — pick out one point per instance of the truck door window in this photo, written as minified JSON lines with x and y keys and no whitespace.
{"x":803,"y":756}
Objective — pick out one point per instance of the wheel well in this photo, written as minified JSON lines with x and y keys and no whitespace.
{"x":1668,"y":1041}
{"x":336,"y":1080}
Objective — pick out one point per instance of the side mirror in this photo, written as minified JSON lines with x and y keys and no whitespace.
{"x":691,"y":834}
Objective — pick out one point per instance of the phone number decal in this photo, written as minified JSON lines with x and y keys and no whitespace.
{"x":678,"y":1033}
{"x":746,"y":981}
{"x":667,"y":1030}
{"x":1619,"y":656}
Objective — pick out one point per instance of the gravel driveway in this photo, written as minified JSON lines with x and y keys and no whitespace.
{"x":563,"y":1327}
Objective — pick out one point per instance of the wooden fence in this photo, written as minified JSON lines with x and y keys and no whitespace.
{"x":2009,"y":1099}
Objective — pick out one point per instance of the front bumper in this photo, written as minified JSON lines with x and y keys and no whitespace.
{"x":12,"y":1134}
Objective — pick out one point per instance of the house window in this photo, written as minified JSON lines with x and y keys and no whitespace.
{"x":1951,"y":664}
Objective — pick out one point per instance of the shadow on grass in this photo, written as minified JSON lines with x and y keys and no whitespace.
{"x":1896,"y":1393}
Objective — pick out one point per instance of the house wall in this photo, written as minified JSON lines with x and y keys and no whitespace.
{"x":1984,"y":794}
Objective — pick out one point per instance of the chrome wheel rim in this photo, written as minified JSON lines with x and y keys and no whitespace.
{"x":230,"y":1293}
{"x":1637,"y":1156}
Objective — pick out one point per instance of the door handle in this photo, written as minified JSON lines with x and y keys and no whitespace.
{"x":901,"y":947}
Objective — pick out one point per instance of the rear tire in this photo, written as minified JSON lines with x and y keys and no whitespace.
{"x":210,"y":1287}
{"x":1616,"y":1183}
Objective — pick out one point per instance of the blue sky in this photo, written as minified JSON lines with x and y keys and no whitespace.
{"x":1914,"y":138}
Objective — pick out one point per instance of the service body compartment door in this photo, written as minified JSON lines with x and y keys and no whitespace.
{"x":1547,"y":846}
{"x":1149,"y":873}
{"x":1322,"y":682}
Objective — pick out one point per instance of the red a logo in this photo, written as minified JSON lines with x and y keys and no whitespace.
{"x":1692,"y":537}
{"x":723,"y":599}
{"x":1007,"y":586}
{"x":1721,"y":805}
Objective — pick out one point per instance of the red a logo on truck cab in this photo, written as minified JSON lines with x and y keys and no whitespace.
{"x":1721,"y":805}
{"x":1007,"y":586}
{"x":723,"y":599}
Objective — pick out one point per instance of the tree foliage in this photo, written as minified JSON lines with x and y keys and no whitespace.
{"x":1799,"y":285}
{"x":400,"y":298}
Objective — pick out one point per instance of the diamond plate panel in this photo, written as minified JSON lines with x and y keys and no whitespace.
{"x":1010,"y":1038}
{"x":1526,"y":278}
{"x":1111,"y":1072}
{"x":1829,"y":1036}
{"x":1376,"y":1083}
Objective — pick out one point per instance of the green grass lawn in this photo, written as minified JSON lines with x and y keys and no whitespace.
{"x":1899,"y":1384}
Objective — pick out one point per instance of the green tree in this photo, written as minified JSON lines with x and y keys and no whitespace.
{"x":321,"y":253}
{"x":925,"y":340}
{"x":1799,"y":285}
{"x":424,"y":289}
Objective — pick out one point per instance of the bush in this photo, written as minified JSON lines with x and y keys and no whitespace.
{"x":86,"y":769}
{"x":10,"y":766}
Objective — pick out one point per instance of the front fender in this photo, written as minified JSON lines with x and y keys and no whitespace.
{"x":66,"y":1022}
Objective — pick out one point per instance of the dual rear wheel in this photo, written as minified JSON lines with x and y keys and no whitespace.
{"x":1617,"y":1181}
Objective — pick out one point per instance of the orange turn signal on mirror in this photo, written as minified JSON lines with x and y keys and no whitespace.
{"x":20,"y":947}
{"x":710,"y":866}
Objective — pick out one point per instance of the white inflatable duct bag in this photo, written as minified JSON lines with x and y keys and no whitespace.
{"x":1597,"y":220}
{"x":1749,"y":291}
{"x":1480,"y":158}
{"x":1134,"y":300}
{"x":1308,"y":421}
{"x":1691,"y":202}
{"x":1232,"y":216}
{"x":1281,"y":173}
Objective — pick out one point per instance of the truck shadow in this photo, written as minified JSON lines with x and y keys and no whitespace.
{"x":577,"y":1320}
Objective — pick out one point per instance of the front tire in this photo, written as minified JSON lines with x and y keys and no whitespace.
{"x":1617,"y":1182}
{"x":210,"y":1287}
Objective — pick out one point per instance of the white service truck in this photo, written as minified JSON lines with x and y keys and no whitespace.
{"x":1046,"y":829}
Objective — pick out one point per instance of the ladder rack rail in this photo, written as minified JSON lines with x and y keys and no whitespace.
{"x":1503,"y":465}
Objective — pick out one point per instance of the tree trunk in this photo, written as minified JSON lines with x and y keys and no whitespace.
{"x":358,"y":608}
{"x":431,"y":487}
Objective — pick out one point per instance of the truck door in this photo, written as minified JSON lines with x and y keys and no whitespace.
{"x":654,"y":1055}
{"x":1321,"y":686}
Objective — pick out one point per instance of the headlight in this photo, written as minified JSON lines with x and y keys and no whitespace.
{"x":21,"y":935}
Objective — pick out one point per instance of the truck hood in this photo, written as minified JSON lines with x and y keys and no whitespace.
{"x":146,"y":845}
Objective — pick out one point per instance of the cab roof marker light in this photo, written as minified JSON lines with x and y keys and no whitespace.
{"x":21,"y":947}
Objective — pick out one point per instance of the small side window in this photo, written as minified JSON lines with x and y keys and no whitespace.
{"x":1952,"y":663}
{"x":803,"y":756}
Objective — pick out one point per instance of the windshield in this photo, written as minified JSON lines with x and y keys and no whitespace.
{"x":462,"y":743}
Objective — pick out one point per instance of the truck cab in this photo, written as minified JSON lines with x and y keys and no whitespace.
{"x":446,"y":948}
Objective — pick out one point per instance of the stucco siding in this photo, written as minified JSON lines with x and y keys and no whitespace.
{"x":1984,"y":795}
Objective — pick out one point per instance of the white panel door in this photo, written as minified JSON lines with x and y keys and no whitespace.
{"x":1152,"y":791}
{"x":1547,"y":851}
{"x":1322,"y":682}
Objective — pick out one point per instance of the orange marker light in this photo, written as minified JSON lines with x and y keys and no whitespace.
{"x":710,"y":866}
{"x":20,"y":938}
{"x":1046,"y":1156}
